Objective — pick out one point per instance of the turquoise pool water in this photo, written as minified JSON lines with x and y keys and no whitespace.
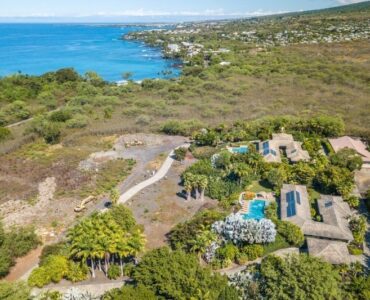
{"x":256,"y":210}
{"x":240,"y":150}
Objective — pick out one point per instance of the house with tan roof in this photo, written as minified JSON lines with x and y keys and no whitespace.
{"x":332,"y":234}
{"x":351,"y":143}
{"x":271,"y":149}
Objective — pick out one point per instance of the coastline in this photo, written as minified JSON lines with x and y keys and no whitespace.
{"x":99,"y":47}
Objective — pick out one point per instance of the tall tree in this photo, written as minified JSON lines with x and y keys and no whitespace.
{"x":202,"y":184}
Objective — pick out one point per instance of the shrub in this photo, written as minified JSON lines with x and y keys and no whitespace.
{"x":185,"y":128}
{"x":353,"y":201}
{"x":239,"y":230}
{"x":78,"y":121}
{"x":143,"y":120}
{"x":354,"y":249}
{"x":60,"y":249}
{"x":180,"y":153}
{"x":271,"y":211}
{"x":50,"y":131}
{"x":279,"y":243}
{"x":6,"y":262}
{"x":61,"y":115}
{"x":14,"y":291}
{"x":335,"y":180}
{"x":76,"y":272}
{"x":183,"y":234}
{"x":298,"y":277}
{"x":252,"y":252}
{"x":4,"y":134}
{"x":57,"y":267}
{"x":19,"y":241}
{"x":177,"y":275}
{"x":128,"y":269}
{"x":227,"y":252}
{"x":291,"y":232}
{"x":347,"y":158}
{"x":123,"y":217}
{"x":242,"y":258}
{"x":128,"y":292}
{"x":39,"y":277}
{"x":66,"y":74}
{"x":53,"y":270}
{"x":358,"y":227}
{"x":114,"y":272}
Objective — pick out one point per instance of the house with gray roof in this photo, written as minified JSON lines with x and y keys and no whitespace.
{"x":351,"y":143}
{"x":334,"y":228}
{"x":270,"y":149}
{"x":335,"y":252}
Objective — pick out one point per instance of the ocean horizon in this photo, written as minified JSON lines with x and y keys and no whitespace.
{"x":35,"y":49}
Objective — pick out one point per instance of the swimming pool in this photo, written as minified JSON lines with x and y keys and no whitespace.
{"x":240,"y":150}
{"x":256,"y":210}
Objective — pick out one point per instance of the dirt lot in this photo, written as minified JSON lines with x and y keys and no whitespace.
{"x":159,"y":207}
{"x":54,"y":182}
{"x":52,"y":212}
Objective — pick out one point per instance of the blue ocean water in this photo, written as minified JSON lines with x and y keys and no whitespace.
{"x":38,"y":48}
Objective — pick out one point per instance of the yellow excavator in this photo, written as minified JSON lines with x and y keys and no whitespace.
{"x":83,"y":203}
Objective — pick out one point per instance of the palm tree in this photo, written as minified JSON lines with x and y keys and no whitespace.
{"x":203,"y":183}
{"x":83,"y":244}
{"x":123,"y":250}
{"x":136,"y":243}
{"x":196,"y":182}
{"x":202,"y":240}
{"x":241,"y":170}
{"x":188,"y":184}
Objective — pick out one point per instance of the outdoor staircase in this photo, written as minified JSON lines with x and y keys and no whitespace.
{"x":245,"y":207}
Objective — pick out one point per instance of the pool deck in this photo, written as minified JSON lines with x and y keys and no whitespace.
{"x":267,"y":197}
{"x":233,"y":150}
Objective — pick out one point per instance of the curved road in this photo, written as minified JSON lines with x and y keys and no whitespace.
{"x":130,"y":193}
{"x":155,"y":178}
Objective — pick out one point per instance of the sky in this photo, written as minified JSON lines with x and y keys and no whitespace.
{"x":156,"y":9}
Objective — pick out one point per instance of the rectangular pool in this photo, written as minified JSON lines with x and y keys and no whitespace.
{"x":240,"y":150}
{"x":256,"y":210}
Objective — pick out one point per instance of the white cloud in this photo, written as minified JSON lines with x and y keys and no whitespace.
{"x":349,"y":1}
{"x":153,"y":13}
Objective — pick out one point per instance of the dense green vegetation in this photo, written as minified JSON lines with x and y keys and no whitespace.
{"x":358,"y":226}
{"x":176,"y":275}
{"x":103,"y":241}
{"x":14,"y":243}
{"x":228,"y":174}
{"x":14,"y":291}
{"x":302,"y":277}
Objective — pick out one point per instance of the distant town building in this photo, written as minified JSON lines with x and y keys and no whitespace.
{"x":173,"y":48}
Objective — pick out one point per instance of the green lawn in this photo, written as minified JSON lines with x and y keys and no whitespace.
{"x":259,"y":186}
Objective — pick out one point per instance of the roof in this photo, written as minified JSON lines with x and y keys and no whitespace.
{"x":334,"y":211}
{"x":355,"y":144}
{"x":271,"y":149}
{"x":295,"y":210}
{"x":334,"y":252}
